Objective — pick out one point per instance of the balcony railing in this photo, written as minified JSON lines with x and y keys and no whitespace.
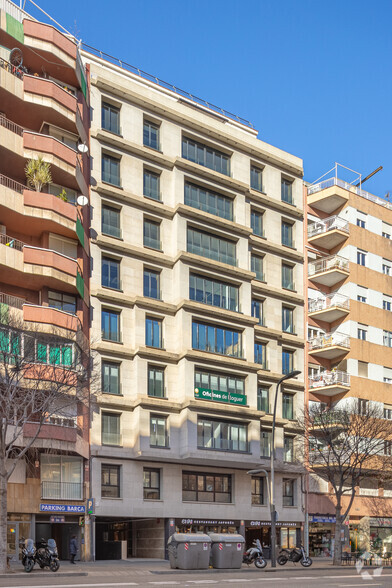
{"x":336,"y":182}
{"x":62,"y":490}
{"x":329,"y":301}
{"x":330,"y":340}
{"x":10,"y":125}
{"x":326,"y":264}
{"x":328,"y":224}
{"x":12,"y":184}
{"x":16,"y":71}
{"x":11,"y":242}
{"x":61,"y":421}
{"x":329,"y":378}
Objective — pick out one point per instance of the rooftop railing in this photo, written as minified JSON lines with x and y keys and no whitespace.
{"x":329,"y":301}
{"x":328,"y":224}
{"x":330,"y":340}
{"x":329,"y":378}
{"x":328,"y":263}
{"x":355,"y":189}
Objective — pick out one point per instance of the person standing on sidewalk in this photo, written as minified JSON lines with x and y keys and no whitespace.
{"x":73,"y":548}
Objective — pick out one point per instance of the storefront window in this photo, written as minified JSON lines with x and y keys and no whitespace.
{"x":288,"y":538}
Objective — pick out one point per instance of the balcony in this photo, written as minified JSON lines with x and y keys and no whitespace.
{"x":329,"y":232}
{"x":329,"y":345}
{"x":47,"y":315}
{"x":329,"y":271}
{"x":330,"y":383}
{"x":13,"y":301}
{"x":331,"y":194}
{"x":329,"y":308}
{"x":61,"y":491}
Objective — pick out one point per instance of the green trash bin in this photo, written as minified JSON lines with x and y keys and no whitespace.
{"x":189,"y":551}
{"x":227,"y":550}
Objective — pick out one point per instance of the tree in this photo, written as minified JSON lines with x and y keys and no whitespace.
{"x":344,"y":444}
{"x":38,"y":173}
{"x":41,"y":374}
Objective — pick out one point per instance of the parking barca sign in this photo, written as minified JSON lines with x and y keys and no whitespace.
{"x":69,"y":508}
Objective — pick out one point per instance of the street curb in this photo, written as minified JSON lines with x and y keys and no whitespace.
{"x":255,"y":570}
{"x":42,"y":574}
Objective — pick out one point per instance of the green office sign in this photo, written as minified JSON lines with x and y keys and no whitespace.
{"x":218,"y":396}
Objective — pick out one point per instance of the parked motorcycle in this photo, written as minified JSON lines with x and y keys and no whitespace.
{"x":295,"y":555}
{"x":28,"y":555}
{"x":255,"y":555}
{"x":47,"y":555}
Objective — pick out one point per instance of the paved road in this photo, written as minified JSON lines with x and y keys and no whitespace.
{"x":296,"y":578}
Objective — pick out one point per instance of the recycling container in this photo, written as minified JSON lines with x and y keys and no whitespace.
{"x":227,"y":550}
{"x":189,"y":551}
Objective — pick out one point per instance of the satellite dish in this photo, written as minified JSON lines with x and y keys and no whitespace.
{"x":82,"y":148}
{"x":16,"y":57}
{"x":82,"y":200}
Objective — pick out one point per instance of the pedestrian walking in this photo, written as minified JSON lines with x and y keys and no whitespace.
{"x":73,"y":548}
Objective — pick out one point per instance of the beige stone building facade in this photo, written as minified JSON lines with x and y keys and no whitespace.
{"x":197,"y":311}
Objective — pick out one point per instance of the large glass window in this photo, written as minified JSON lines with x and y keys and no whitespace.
{"x":61,"y":301}
{"x":257,"y":311}
{"x":210,"y":246}
{"x":156,"y":381}
{"x":54,"y":353}
{"x":151,"y":135}
{"x":216,"y":339}
{"x":287,"y":361}
{"x":213,"y":292}
{"x":287,"y":191}
{"x":111,"y":325}
{"x":387,"y":338}
{"x":287,"y":276}
{"x":221,"y":435}
{"x":111,"y":273}
{"x":257,"y":266}
{"x":111,"y":118}
{"x":153,"y":332}
{"x":110,"y":480}
{"x":287,"y":234}
{"x":220,"y":382}
{"x":204,"y":199}
{"x":151,"y":484}
{"x":111,"y":221}
{"x":287,"y":319}
{"x":256,"y":178}
{"x":61,"y":477}
{"x":288,"y":492}
{"x":287,"y":406}
{"x":261,"y":354}
{"x":158,"y":431}
{"x":151,"y":185}
{"x":198,"y":487}
{"x":111,"y":429}
{"x":110,"y":377}
{"x":207,"y":156}
{"x":151,"y":284}
{"x":151,"y":234}
{"x":265,"y":443}
{"x":263,"y":400}
{"x":288,"y":449}
{"x":361,"y":258}
{"x":257,"y":490}
{"x":111,"y":170}
{"x":256,"y":222}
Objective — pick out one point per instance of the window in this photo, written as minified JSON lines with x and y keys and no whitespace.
{"x":257,"y":310}
{"x":61,"y":477}
{"x":386,"y":235}
{"x":54,"y":353}
{"x":387,"y":411}
{"x":387,"y":303}
{"x":287,"y":319}
{"x":151,"y":484}
{"x":387,"y":447}
{"x":288,"y":449}
{"x":158,"y":431}
{"x":110,"y":481}
{"x":151,"y":284}
{"x":216,"y":339}
{"x":198,"y":487}
{"x":263,"y":402}
{"x":288,"y":406}
{"x":207,"y":156}
{"x":386,"y":267}
{"x":219,"y":382}
{"x":287,"y":191}
{"x":363,"y":368}
{"x":361,"y":298}
{"x":287,"y":234}
{"x":110,"y":377}
{"x":361,"y":223}
{"x":111,"y":273}
{"x":151,"y":135}
{"x":287,"y":361}
{"x":288,"y":492}
{"x":363,"y":406}
{"x":256,"y":178}
{"x":209,"y":201}
{"x":111,"y":429}
{"x":387,"y":338}
{"x":256,"y":222}
{"x":213,"y":292}
{"x":265,"y":443}
{"x":153,"y":332}
{"x":111,"y":118}
{"x":151,"y":185}
{"x":156,"y":381}
{"x":287,"y":276}
{"x":110,"y":170}
{"x":207,"y":245}
{"x":111,"y":221}
{"x":111,"y":325}
{"x":256,"y":266}
{"x":257,"y":490}
{"x":362,"y":332}
{"x":151,"y":234}
{"x":261,"y":354}
{"x":221,"y":435}
{"x":387,"y":375}
{"x":65,"y":302}
{"x":361,"y":257}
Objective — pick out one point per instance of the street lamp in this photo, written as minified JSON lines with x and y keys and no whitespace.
{"x":271,"y":493}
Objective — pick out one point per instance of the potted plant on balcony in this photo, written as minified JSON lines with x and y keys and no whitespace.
{"x":38,"y":173}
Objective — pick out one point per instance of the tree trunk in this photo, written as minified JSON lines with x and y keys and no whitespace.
{"x":3,"y":525}
{"x":337,"y":552}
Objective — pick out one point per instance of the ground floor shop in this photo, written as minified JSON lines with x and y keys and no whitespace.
{"x":288,"y":534}
{"x":371,"y":534}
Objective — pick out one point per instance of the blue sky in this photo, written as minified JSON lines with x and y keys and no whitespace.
{"x":313,"y":76}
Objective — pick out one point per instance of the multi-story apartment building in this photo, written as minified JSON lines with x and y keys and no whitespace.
{"x":197,"y":311}
{"x":350,"y":335}
{"x":44,"y":258}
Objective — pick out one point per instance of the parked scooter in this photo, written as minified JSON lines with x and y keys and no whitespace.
{"x":47,"y":555}
{"x":295,"y":555}
{"x":255,"y":555}
{"x":28,"y":555}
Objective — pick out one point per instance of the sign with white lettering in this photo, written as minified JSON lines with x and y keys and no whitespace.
{"x":68,"y":508}
{"x":217,"y":396}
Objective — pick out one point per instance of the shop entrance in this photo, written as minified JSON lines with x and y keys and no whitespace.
{"x":16,"y":531}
